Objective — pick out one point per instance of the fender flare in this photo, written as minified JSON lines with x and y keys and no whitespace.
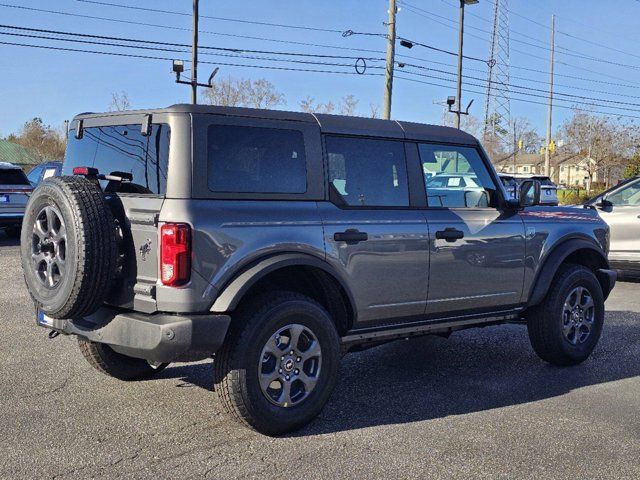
{"x":556,"y":257}
{"x":231,"y":294}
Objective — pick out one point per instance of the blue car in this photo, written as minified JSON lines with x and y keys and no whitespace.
{"x":44,"y":170}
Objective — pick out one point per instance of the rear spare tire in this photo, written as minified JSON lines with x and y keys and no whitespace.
{"x":68,"y":247}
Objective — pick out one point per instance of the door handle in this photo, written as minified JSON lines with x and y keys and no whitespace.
{"x":351,"y":236}
{"x":449,"y":234}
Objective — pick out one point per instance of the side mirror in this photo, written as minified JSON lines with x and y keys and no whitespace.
{"x":529,"y":193}
{"x":604,"y":204}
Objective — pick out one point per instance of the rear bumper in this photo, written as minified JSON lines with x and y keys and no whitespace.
{"x":159,"y":337}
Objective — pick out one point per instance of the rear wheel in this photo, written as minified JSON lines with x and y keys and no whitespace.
{"x":565,"y":328}
{"x":106,"y":360}
{"x":279,"y":363}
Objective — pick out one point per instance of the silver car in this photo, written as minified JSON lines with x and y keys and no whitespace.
{"x":620,"y":208}
{"x":548,"y":189}
{"x":14,"y":193}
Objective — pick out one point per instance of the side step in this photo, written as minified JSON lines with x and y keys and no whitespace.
{"x":423,"y":327}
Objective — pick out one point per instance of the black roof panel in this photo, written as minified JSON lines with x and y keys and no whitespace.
{"x":347,"y":125}
{"x":436,"y":133}
{"x":337,"y":124}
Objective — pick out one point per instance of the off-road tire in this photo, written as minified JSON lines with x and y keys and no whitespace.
{"x":90,"y":247}
{"x":544,"y":322}
{"x":104,"y":359}
{"x":236,"y":363}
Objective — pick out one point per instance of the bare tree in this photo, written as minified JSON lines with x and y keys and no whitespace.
{"x":119,"y":102}
{"x":231,"y":92}
{"x":606,"y":143}
{"x":262,"y":93}
{"x":468,"y":123}
{"x":46,"y":142}
{"x":309,"y":105}
{"x":374,"y":110}
{"x":348,"y":105}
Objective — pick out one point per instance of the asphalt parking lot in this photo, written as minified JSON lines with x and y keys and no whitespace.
{"x":478,"y":405}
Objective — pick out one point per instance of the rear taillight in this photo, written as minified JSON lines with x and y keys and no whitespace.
{"x":175,"y":254}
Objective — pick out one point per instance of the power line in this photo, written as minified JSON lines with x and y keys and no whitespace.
{"x":93,"y":17}
{"x":170,"y":27}
{"x":185,"y":45}
{"x":240,"y":53}
{"x":225,"y":19}
{"x":515,"y":99}
{"x":130,"y":55}
{"x":150,"y":57}
{"x":174,"y":50}
{"x":560,"y":50}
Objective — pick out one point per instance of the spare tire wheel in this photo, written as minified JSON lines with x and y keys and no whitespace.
{"x":68,"y":247}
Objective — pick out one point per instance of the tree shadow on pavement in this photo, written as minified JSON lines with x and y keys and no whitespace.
{"x":432,"y":377}
{"x":475,"y":370}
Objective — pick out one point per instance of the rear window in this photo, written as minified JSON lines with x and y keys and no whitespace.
{"x":13,"y":176}
{"x":123,"y":148}
{"x":256,"y":160}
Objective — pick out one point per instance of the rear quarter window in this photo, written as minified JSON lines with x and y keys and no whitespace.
{"x":123,"y":148}
{"x":242,"y":159}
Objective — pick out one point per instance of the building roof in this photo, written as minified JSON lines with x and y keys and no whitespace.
{"x":339,"y":124}
{"x":537,"y":159}
{"x":17,"y":154}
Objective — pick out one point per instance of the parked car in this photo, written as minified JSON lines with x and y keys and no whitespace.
{"x":548,"y":190}
{"x":14,"y":193}
{"x":277,"y":241}
{"x":446,"y":189}
{"x":44,"y":170}
{"x":620,"y":208}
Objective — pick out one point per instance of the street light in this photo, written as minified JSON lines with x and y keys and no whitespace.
{"x":459,"y":112}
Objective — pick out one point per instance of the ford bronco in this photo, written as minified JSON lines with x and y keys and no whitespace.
{"x":278,"y":241}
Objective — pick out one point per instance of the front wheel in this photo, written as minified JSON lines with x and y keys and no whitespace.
{"x":565,"y":328}
{"x":279,"y":363}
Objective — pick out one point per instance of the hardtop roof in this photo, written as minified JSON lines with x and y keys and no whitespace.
{"x":336,"y":124}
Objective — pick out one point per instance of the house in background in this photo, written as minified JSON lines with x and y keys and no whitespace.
{"x":566,"y":169}
{"x":18,"y":155}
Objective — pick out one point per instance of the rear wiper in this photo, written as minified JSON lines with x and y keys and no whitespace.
{"x":93,"y":174}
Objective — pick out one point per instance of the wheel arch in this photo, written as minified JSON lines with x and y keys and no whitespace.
{"x":574,"y":250}
{"x":292,"y":271}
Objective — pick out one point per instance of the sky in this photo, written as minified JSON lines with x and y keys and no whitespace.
{"x":596,"y":55}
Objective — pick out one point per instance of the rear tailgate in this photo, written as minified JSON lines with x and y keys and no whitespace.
{"x":116,"y":147}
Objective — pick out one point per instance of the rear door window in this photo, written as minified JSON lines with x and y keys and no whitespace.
{"x":123,"y":148}
{"x":244,"y":159}
{"x":13,"y":176}
{"x":366,"y":172}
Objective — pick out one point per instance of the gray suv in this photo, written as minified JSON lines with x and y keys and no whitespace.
{"x":278,"y":241}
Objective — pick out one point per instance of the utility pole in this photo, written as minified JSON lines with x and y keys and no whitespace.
{"x":194,"y":56}
{"x":515,"y":148}
{"x":459,"y":88}
{"x":547,"y":153}
{"x":391,"y":51}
